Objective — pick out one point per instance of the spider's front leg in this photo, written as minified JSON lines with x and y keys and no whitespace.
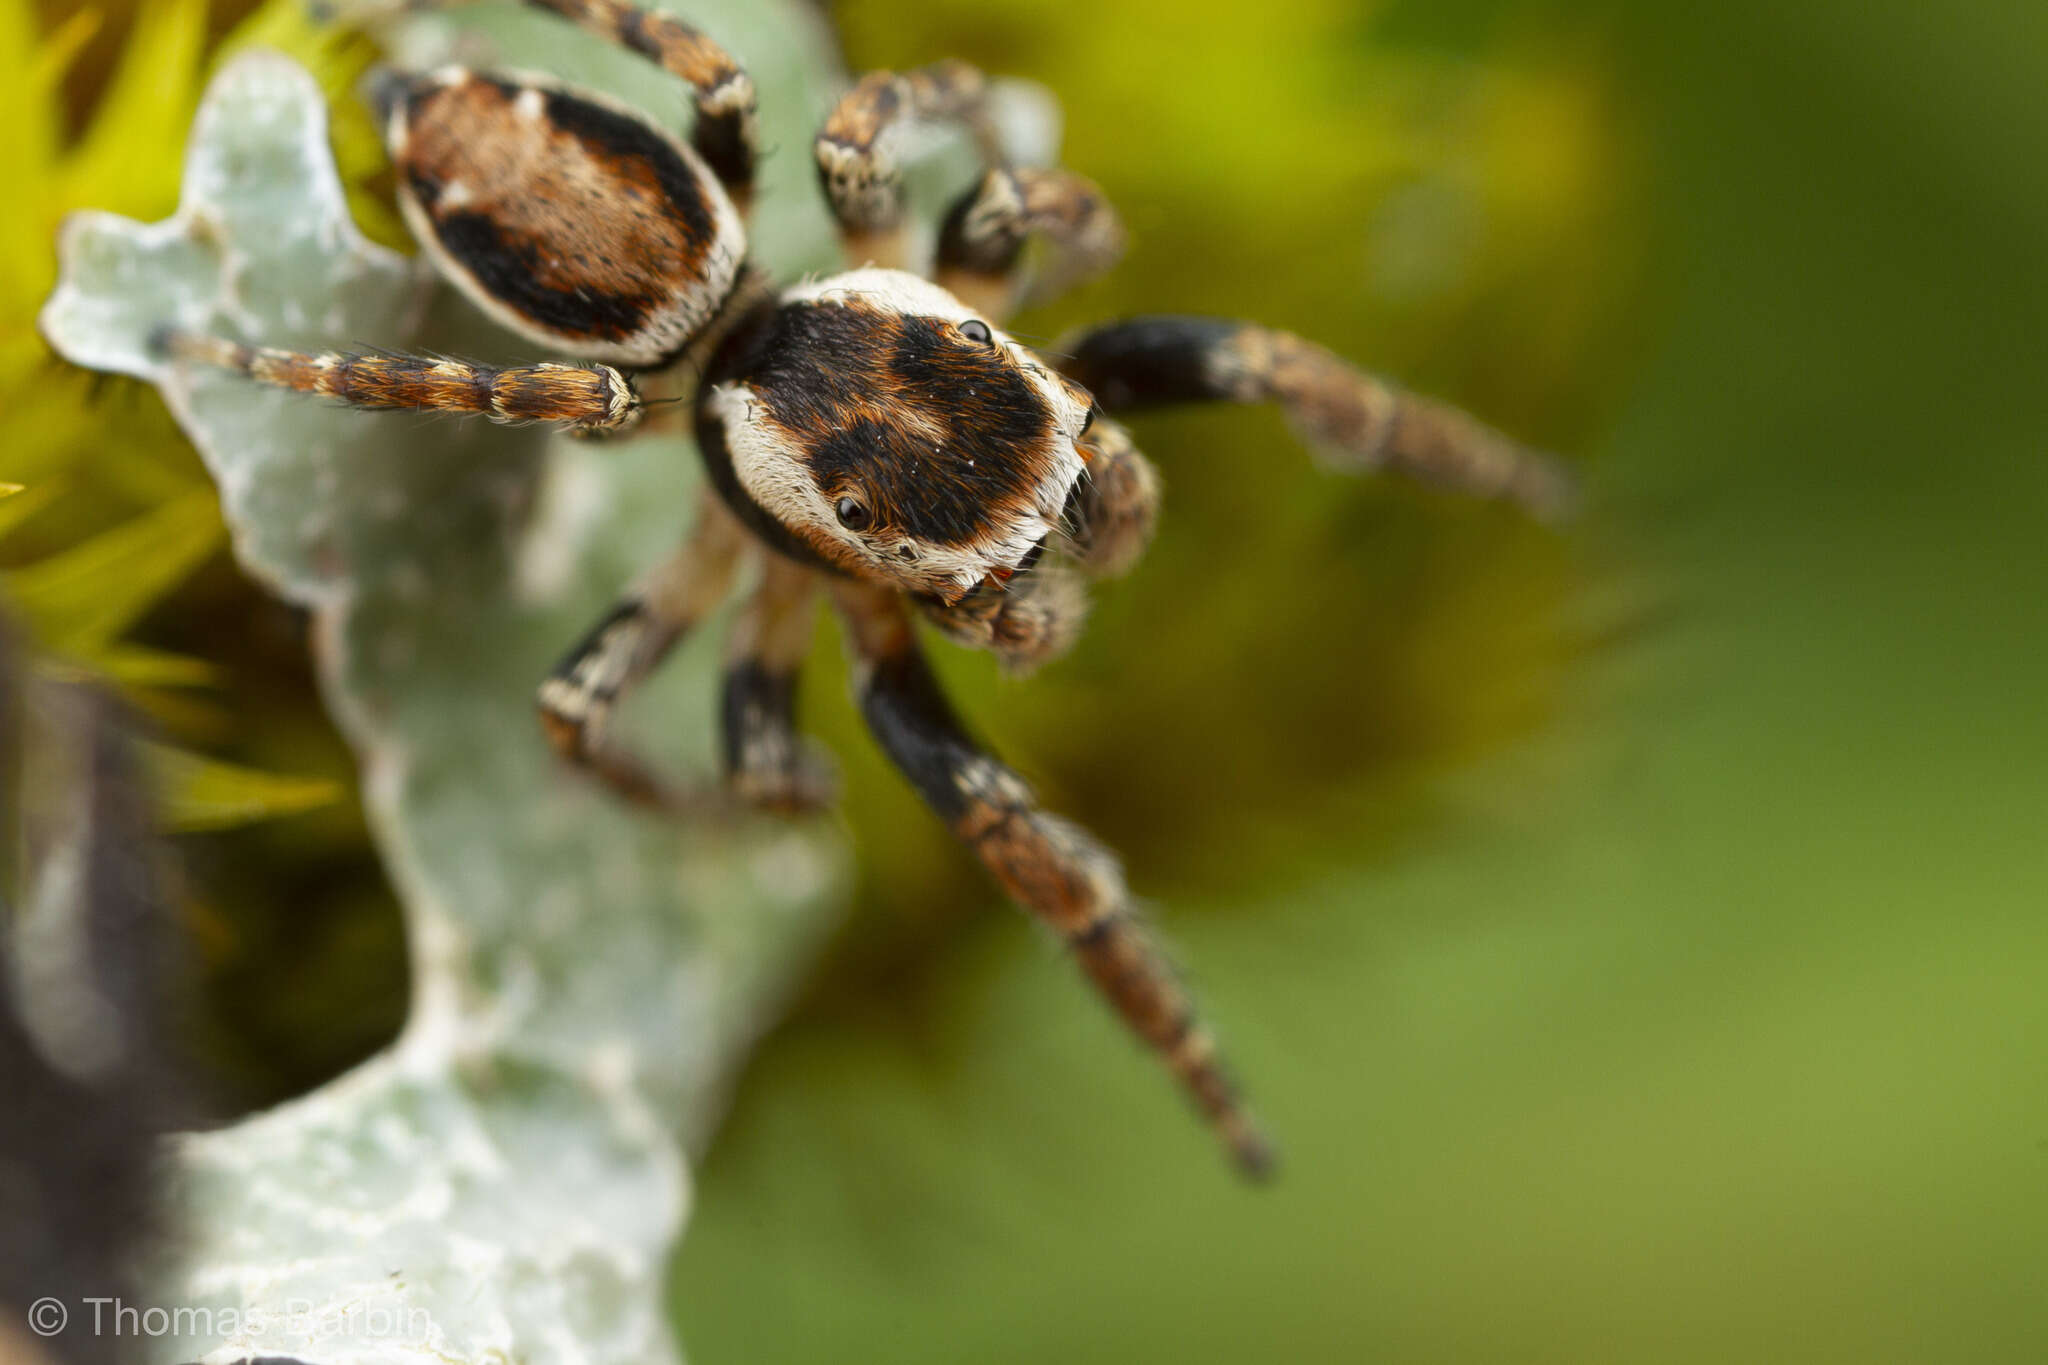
{"x":1359,"y":421}
{"x":1050,"y":867}
{"x":578,"y":699}
{"x":584,"y":397}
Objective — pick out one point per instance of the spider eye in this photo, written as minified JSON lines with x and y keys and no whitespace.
{"x":1094,"y":410}
{"x":853,"y":514}
{"x":975,"y":330}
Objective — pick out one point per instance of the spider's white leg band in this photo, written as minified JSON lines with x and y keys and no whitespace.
{"x":1050,"y":867}
{"x":1358,"y":420}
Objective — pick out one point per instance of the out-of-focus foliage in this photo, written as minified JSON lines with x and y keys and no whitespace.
{"x":115,"y":552}
{"x":115,"y":516}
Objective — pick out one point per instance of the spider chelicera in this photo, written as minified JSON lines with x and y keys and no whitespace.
{"x":874,"y":435}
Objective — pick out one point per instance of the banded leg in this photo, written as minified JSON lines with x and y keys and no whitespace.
{"x":1051,"y":868}
{"x":857,"y":164}
{"x":1359,"y":421}
{"x":981,"y":246}
{"x":767,"y":763}
{"x":578,"y":698}
{"x":587,"y":397}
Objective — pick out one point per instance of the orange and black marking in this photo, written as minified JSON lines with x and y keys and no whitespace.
{"x":573,"y":221}
{"x":590,"y":397}
{"x":1357,"y":419}
{"x":934,"y":433}
{"x":1048,"y":866}
{"x":726,"y":102}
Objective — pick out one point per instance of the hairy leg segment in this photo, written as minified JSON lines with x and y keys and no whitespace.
{"x":1360,"y":422}
{"x":1053,"y":869}
{"x":586,"y":397}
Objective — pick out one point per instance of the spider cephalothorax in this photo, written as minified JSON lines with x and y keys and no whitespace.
{"x":872,"y":434}
{"x":895,"y":434}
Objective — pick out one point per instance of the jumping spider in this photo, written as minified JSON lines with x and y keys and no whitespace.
{"x":874,"y":434}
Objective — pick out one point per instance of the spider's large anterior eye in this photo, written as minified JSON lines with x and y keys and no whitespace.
{"x":975,"y":330}
{"x":853,"y":513}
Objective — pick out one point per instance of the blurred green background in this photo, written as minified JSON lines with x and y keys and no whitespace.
{"x":1634,"y":936}
{"x":1637,"y":941}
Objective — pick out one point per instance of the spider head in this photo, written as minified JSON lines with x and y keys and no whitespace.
{"x":899,"y":437}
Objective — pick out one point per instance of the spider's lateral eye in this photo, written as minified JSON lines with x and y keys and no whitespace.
{"x":1094,"y":411}
{"x":975,"y":330}
{"x":853,"y":514}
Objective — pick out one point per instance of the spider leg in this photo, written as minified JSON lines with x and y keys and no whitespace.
{"x":1050,"y":867}
{"x":578,"y":698}
{"x":1361,"y":422}
{"x":857,"y":164}
{"x":767,"y":763}
{"x":586,"y":397}
{"x":725,"y":134}
{"x":981,"y":245}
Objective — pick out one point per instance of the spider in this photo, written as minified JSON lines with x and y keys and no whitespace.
{"x":874,"y":436}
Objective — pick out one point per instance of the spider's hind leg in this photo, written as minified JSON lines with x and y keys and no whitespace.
{"x":725,"y":134}
{"x":584,"y":397}
{"x":1051,"y":868}
{"x":1360,"y":421}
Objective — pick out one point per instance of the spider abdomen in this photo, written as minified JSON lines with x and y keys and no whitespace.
{"x":570,"y":220}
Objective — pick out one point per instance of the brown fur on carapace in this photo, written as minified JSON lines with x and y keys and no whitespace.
{"x":942,"y":439}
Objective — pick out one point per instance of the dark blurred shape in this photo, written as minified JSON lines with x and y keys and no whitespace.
{"x":87,"y":965}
